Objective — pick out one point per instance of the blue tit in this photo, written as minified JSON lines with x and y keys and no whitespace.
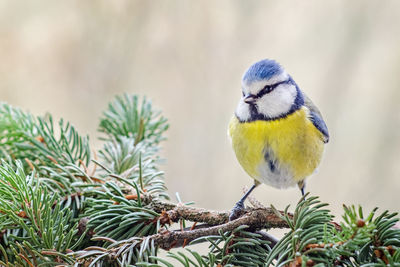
{"x":277,"y":133}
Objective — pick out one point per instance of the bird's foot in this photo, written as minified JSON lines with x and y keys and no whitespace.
{"x":237,"y":211}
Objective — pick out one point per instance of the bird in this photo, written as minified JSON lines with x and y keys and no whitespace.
{"x":277,"y":133}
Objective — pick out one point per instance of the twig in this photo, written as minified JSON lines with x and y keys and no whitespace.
{"x":265,"y":236}
{"x":256,"y":219}
{"x":176,"y":212}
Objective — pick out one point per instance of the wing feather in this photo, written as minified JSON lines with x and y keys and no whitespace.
{"x":316,"y":118}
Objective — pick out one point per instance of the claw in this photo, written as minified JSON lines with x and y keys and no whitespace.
{"x":237,"y":211}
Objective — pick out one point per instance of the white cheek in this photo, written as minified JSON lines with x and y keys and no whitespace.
{"x":277,"y":102}
{"x":243,"y":111}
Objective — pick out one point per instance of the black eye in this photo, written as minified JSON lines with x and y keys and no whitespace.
{"x":242,"y":93}
{"x":265,"y":90}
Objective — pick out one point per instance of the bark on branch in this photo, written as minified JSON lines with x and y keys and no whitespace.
{"x":213,"y":222}
{"x":180,"y":211}
{"x":256,"y":219}
{"x":176,"y":212}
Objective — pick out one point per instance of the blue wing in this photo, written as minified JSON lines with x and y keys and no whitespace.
{"x":316,"y":118}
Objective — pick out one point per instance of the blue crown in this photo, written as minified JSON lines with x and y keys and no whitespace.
{"x":262,"y":70}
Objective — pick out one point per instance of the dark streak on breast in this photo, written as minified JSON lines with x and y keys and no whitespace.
{"x":270,"y":161}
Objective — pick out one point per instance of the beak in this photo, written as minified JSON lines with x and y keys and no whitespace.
{"x":250,"y":99}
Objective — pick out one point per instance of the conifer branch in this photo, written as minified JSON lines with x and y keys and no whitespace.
{"x":57,"y":208}
{"x":255,"y":219}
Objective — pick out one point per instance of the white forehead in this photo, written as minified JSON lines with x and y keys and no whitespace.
{"x":253,"y":87}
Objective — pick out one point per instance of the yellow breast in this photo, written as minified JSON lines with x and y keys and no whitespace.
{"x":294,"y":141}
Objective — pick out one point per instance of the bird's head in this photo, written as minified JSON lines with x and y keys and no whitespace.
{"x":268,"y":92}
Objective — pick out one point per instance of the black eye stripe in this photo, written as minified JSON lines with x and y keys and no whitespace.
{"x":265,"y":90}
{"x":268,"y":88}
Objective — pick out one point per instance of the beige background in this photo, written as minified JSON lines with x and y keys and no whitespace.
{"x":71,"y":57}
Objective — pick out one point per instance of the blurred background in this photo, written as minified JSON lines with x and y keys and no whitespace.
{"x":70,"y":58}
